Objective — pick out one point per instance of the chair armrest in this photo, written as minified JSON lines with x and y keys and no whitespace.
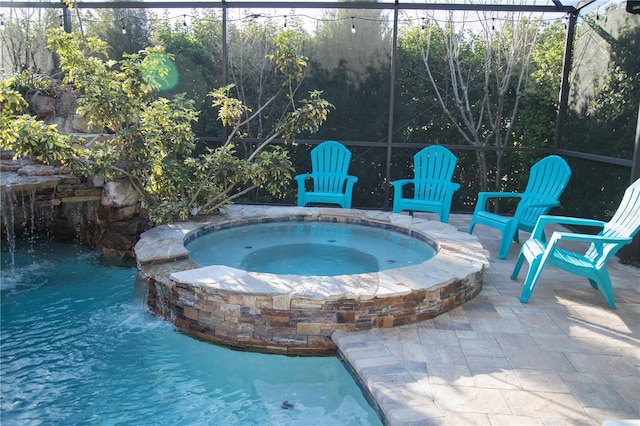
{"x":544,"y":220}
{"x":348,"y":185}
{"x":554,"y":203}
{"x":484,"y":196}
{"x":402,"y":182}
{"x":397,"y":187}
{"x":348,"y":188}
{"x":450,"y":189}
{"x":301,"y":182}
{"x":303,"y":177}
{"x":588,"y":238}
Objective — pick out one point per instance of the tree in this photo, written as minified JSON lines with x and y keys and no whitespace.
{"x":197,"y":53}
{"x":151,"y":136}
{"x":251,"y":72}
{"x":153,"y":144}
{"x":539,"y":106}
{"x":124,"y":30}
{"x":23,"y":41}
{"x":351,"y":57}
{"x":298,"y":116}
{"x":603,"y":117}
{"x":420,"y":116}
{"x":483,"y":83}
{"x":357,"y":40}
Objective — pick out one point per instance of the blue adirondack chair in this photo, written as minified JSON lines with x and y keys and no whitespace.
{"x":592,"y":265}
{"x":432,"y":186}
{"x":331,"y":183}
{"x":547,"y":181}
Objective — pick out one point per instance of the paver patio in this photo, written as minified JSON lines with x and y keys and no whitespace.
{"x":563,"y":358}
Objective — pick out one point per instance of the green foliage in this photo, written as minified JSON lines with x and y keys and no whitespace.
{"x":606,"y":126}
{"x":230,"y":110}
{"x":547,"y":60}
{"x":11,"y":101}
{"x":226,"y":176}
{"x":538,"y":110}
{"x":28,"y":137}
{"x":606,"y":121}
{"x":353,"y":69}
{"x":151,"y":136}
{"x":308,"y":117}
{"x":28,"y":82}
{"x":198,"y":60}
{"x":265,"y":167}
{"x":108,"y":25}
{"x":615,"y":103}
{"x":153,"y":142}
{"x":422,"y":120}
{"x":286,"y":59}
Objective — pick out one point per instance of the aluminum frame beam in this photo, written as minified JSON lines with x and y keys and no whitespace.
{"x":556,"y":7}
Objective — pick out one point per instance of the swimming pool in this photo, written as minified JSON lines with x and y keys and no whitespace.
{"x":308,"y":249}
{"x":79,"y":348}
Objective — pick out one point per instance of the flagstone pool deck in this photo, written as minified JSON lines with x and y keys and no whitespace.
{"x":564,"y":358}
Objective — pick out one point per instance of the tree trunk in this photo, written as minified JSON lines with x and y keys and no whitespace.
{"x":482,"y":170}
{"x":498,"y":179}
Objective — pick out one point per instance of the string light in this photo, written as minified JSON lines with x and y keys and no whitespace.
{"x":421,"y":20}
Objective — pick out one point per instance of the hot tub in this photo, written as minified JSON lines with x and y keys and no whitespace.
{"x":294,"y":314}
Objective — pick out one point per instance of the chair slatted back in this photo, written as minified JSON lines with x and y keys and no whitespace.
{"x":329,"y":165}
{"x":433,"y":171}
{"x":625,"y":223}
{"x":547,"y":181}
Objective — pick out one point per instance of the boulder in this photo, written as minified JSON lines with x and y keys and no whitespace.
{"x":44,"y":106}
{"x":119,"y":193}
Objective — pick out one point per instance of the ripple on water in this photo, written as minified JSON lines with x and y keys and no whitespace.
{"x":76,"y":348}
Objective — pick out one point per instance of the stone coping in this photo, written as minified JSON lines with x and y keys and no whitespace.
{"x":457,"y":255}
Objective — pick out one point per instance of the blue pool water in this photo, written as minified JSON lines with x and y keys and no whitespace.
{"x":78,"y":348}
{"x":314,"y":248}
